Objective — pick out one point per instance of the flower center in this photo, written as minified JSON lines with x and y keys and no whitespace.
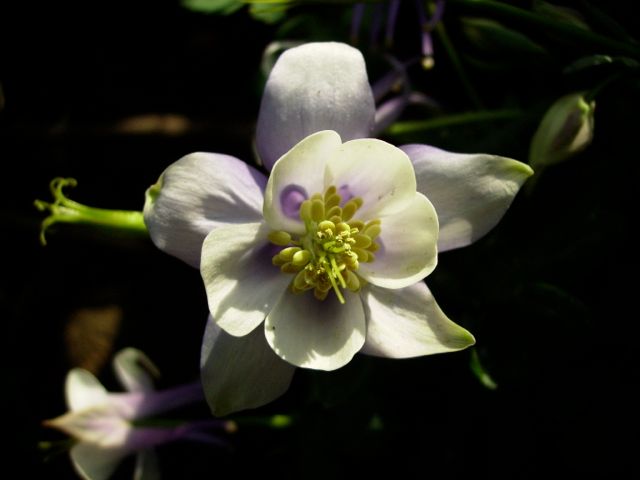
{"x":327,"y":256}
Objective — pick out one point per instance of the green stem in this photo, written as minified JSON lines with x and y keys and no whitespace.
{"x":277,"y":421}
{"x":402,"y":128}
{"x":564,"y":29}
{"x":64,"y":210}
{"x":479,"y":371}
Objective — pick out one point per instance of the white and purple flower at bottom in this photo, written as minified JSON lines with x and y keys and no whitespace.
{"x":107,"y":427}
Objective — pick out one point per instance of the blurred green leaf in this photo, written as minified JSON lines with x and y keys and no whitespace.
{"x":491,"y":36}
{"x":269,"y":13}
{"x":223,"y":7}
{"x":561,"y":13}
{"x":599,"y":60}
{"x":602,"y":21}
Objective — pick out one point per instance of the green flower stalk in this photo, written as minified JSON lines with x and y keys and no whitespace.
{"x":65,"y":210}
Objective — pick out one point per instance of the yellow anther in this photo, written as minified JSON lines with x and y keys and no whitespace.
{"x":350,"y":208}
{"x":351,"y":261}
{"x":363,"y":255}
{"x":335,"y":219}
{"x":371,"y":257}
{"x":317,"y":210}
{"x":374,"y":247}
{"x":278,"y":261}
{"x":279,"y":238}
{"x":372,"y":231}
{"x":301,"y":258}
{"x":287,"y":253}
{"x":300,"y":282}
{"x":305,"y":210}
{"x":357,"y":224}
{"x":327,"y":225}
{"x":353,"y":283}
{"x":332,"y":201}
{"x":334,"y":211}
{"x":343,"y":228}
{"x":362,"y":241}
{"x":290,"y":268}
{"x":316,"y":196}
{"x":330,"y":191}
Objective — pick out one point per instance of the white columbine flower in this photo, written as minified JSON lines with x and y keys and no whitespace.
{"x":326,"y":257}
{"x":107,"y":427}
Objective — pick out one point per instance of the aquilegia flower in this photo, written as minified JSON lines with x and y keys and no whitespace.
{"x":109,"y":426}
{"x":326,"y":257}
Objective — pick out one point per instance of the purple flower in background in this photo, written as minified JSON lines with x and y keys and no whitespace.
{"x":326,"y":257}
{"x":107,"y":427}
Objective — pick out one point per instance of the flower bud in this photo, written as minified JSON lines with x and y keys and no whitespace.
{"x":566,"y":129}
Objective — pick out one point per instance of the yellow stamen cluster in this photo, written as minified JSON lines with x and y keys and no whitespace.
{"x":327,"y":256}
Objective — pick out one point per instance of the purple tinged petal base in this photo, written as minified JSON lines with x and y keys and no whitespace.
{"x":197,"y":194}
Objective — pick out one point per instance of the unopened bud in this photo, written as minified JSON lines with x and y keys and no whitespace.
{"x":566,"y":129}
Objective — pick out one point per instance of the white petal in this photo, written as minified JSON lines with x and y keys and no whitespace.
{"x":295,"y":177}
{"x":407,"y":242}
{"x":240,"y":373}
{"x":376,"y":171}
{"x":101,"y":425}
{"x":471,"y":193}
{"x":309,"y":333}
{"x":409,"y":323}
{"x":196,"y":194}
{"x":242,"y":284}
{"x":95,"y":463}
{"x":83,"y":390}
{"x":314,"y":87}
{"x":134,"y":370}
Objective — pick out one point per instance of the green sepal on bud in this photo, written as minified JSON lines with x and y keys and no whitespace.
{"x":566,"y":129}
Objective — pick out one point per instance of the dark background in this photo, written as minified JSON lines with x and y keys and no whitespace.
{"x":550,"y":294}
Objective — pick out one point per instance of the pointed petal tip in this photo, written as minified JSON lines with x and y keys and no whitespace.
{"x":464,"y":340}
{"x":521,"y":168}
